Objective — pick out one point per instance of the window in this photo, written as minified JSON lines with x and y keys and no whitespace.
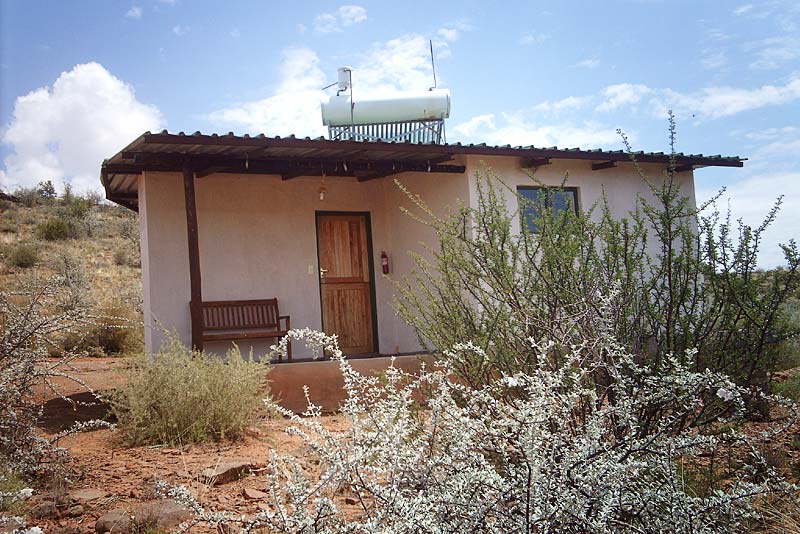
{"x":555,"y":198}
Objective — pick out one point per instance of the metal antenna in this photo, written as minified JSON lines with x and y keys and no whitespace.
{"x":433,"y":65}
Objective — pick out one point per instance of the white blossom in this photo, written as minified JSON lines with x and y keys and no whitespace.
{"x":545,"y":451}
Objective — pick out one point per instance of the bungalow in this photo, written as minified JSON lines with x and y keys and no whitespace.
{"x":242,"y":235}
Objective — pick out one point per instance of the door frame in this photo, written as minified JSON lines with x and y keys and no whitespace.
{"x":371,"y":263}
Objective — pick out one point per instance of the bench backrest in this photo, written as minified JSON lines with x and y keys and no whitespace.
{"x":236,"y":314}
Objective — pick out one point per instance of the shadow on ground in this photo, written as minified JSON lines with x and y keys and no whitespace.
{"x":62,"y":413}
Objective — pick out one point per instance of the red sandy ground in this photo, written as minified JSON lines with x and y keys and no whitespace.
{"x":128,"y":474}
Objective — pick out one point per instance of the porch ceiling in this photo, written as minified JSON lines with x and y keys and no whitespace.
{"x":291,"y":157}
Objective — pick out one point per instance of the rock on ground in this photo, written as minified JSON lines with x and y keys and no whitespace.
{"x":158,"y":515}
{"x":227,"y":472}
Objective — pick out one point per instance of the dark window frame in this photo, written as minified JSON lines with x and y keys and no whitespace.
{"x":524,"y":209}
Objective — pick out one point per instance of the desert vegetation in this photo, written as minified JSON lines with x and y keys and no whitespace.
{"x":46,"y":235}
{"x":596,"y":374}
{"x":179,"y":396}
{"x":631,"y":375}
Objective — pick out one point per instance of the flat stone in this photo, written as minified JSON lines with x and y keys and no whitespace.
{"x":43,"y":509}
{"x":87,"y":495}
{"x":76,"y":511}
{"x":227,"y":472}
{"x":254,"y":494}
{"x":157,"y":515}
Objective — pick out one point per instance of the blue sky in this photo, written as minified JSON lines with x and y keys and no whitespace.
{"x":81,"y":79}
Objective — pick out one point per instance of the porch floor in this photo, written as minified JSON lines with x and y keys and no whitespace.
{"x":324,"y":379}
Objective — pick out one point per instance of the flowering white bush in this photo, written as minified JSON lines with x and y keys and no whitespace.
{"x":538,"y":452}
{"x":30,"y":318}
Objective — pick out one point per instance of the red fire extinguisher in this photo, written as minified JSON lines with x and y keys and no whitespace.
{"x":384,"y":263}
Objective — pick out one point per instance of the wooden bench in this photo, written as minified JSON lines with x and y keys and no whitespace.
{"x":244,"y":319}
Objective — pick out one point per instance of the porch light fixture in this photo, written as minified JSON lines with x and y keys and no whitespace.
{"x":322,"y":188}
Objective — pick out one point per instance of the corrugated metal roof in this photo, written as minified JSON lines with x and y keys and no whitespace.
{"x":293,"y":156}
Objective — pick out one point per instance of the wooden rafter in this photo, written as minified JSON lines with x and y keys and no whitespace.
{"x":603,"y":165}
{"x":530,"y":163}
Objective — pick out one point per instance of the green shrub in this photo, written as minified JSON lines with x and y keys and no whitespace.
{"x":79,"y":208}
{"x":789,"y":388}
{"x":56,"y":229}
{"x":180,"y":396}
{"x":46,"y":190}
{"x":118,"y":330}
{"x":120,"y":257}
{"x":23,"y":256}
{"x":674,"y":280}
{"x":10,"y":485}
{"x":28,"y":196}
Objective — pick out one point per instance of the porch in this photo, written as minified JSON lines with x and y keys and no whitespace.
{"x":303,"y":222}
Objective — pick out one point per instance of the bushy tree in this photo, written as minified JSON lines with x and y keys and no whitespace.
{"x":47,"y":190}
{"x":32,"y":317}
{"x":687,"y":279}
{"x":541,"y":451}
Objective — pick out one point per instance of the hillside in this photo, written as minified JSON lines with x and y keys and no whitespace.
{"x":42,"y":235}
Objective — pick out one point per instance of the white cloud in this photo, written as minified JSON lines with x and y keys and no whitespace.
{"x":774,"y":52}
{"x":475,"y":127}
{"x":770,"y":134}
{"x":533,"y":38}
{"x":398,"y":64}
{"x":716,"y":102}
{"x":168,"y":2}
{"x":741,"y":10}
{"x":589,"y":63}
{"x":570,"y":102}
{"x":751,"y":198}
{"x":714,"y":59}
{"x":235,"y":33}
{"x":135,"y":12}
{"x":352,"y":14}
{"x":63,"y":133}
{"x":341,"y":18}
{"x":301,"y":29}
{"x":777,"y":154}
{"x":293,"y":108}
{"x":180,"y":30}
{"x":448,"y":34}
{"x":622,"y":94}
{"x":514,"y":130}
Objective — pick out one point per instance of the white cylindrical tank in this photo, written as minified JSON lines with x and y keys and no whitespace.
{"x":345,"y":77}
{"x":409,"y":106}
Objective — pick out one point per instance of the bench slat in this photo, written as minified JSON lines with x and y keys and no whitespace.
{"x":225,"y":320}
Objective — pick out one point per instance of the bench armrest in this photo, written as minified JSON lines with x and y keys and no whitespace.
{"x":288,"y":321}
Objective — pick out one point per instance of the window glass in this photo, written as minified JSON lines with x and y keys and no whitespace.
{"x":557,"y":199}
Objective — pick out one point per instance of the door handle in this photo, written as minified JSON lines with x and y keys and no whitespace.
{"x":322,"y":272}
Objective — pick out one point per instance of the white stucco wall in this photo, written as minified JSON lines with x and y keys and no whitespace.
{"x":621,"y":184}
{"x":257,"y":239}
{"x":257,"y":235}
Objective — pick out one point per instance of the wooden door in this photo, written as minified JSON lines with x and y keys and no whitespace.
{"x":346,"y":281}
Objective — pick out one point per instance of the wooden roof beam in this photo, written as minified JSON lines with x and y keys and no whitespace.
{"x":603,"y":165}
{"x":294,"y":174}
{"x":374,"y":175}
{"x":684,"y":168}
{"x":531,"y":163}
